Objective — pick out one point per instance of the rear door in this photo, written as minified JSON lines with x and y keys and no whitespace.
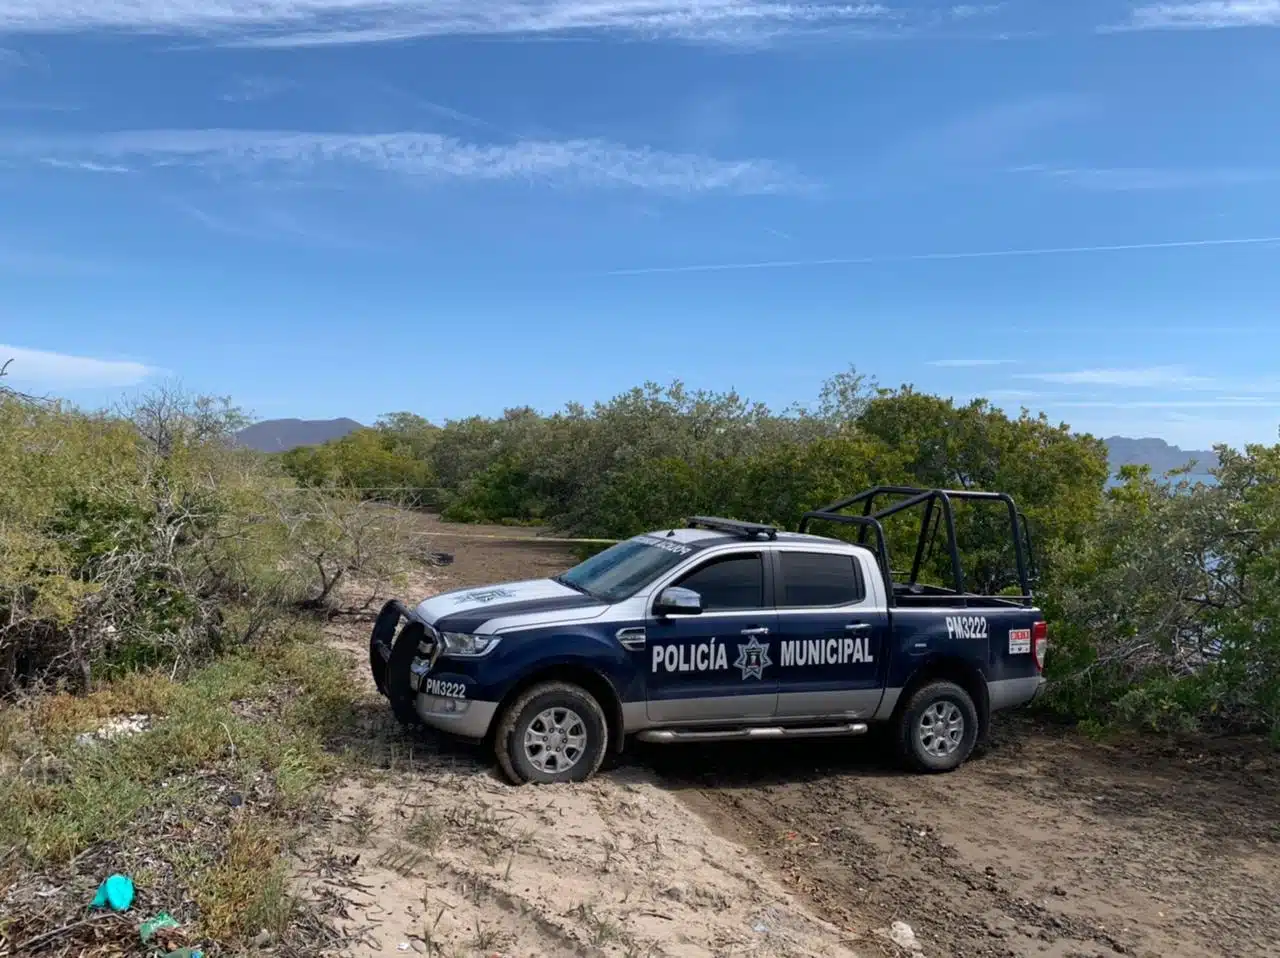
{"x":833,"y":634}
{"x":720,"y":666}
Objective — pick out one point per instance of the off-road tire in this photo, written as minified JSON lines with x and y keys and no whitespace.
{"x":508,"y":742}
{"x":398,"y":690}
{"x":911,"y":751}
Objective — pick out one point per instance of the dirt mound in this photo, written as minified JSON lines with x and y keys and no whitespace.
{"x":453,"y":862}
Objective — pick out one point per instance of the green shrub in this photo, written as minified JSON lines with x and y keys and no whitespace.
{"x":139,"y":538}
{"x":373,"y":463}
{"x":125,"y":538}
{"x":1165,"y":614}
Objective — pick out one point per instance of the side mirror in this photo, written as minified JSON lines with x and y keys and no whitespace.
{"x":677,"y":601}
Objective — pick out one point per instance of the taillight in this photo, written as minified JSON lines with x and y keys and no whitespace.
{"x":1039,"y":643}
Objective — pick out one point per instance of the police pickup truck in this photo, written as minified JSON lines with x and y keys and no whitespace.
{"x":724,"y":630}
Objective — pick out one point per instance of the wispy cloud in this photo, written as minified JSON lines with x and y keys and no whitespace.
{"x":424,"y":156}
{"x":967,"y":363}
{"x":943,"y":257}
{"x":48,"y":370}
{"x":970,"y":11}
{"x":1138,"y":378}
{"x":267,"y":223}
{"x":85,"y":166}
{"x":1205,"y":15}
{"x":1145,"y":179}
{"x":251,"y":89}
{"x":1258,"y":402}
{"x":1012,"y":394}
{"x":385,"y":91}
{"x":981,"y":138}
{"x":315,"y":22}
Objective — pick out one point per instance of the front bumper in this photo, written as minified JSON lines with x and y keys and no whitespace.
{"x":402,"y":667}
{"x":460,"y":717}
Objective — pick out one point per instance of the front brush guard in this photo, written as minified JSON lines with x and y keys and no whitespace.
{"x":391,"y":658}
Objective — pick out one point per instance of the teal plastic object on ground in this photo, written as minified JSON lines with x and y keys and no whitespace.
{"x":152,"y":925}
{"x":115,"y":893}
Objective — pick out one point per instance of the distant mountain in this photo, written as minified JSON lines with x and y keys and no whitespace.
{"x":1157,"y":454}
{"x":281,"y":435}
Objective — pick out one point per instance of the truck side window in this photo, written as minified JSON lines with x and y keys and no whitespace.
{"x":733,"y":582}
{"x":820,"y":579}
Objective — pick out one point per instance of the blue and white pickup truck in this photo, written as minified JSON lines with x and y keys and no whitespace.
{"x":722,"y":630}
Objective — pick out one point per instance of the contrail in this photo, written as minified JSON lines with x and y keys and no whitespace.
{"x":928,"y":257}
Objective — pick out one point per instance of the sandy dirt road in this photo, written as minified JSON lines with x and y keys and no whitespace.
{"x":1047,"y":845}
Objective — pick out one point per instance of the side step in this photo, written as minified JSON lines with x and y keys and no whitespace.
{"x":668,"y":736}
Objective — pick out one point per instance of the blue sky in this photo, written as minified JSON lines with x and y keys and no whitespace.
{"x":350,"y":207}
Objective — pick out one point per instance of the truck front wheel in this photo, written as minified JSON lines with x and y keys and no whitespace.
{"x":937,"y":728}
{"x":552,"y":733}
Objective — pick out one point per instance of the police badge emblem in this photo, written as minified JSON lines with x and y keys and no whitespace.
{"x":753,"y":659}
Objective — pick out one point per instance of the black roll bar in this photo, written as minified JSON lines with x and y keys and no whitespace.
{"x":863,"y":524}
{"x":932,"y":499}
{"x":1032,"y":565}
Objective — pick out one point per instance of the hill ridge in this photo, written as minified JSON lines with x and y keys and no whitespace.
{"x":281,"y":435}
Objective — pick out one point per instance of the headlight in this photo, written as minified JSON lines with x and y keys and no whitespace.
{"x":470,"y":646}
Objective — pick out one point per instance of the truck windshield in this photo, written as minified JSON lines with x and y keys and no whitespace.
{"x":624,"y":569}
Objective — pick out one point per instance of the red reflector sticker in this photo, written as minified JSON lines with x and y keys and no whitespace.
{"x":1019,"y":641}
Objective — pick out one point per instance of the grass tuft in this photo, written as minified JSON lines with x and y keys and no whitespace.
{"x":601,"y":929}
{"x":426,"y":830}
{"x":247,"y":891}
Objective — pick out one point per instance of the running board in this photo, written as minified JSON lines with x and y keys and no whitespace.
{"x":668,"y":736}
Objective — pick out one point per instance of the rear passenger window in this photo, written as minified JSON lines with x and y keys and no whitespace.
{"x":817,"y":579}
{"x":734,"y":582}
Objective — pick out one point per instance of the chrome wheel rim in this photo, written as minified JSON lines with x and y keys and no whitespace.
{"x":555,"y":740}
{"x":940,"y":730}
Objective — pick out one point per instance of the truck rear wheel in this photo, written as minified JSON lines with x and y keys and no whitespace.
{"x":552,"y":733}
{"x":937,"y":728}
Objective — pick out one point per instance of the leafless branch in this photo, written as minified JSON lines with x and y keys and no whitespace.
{"x":8,"y":392}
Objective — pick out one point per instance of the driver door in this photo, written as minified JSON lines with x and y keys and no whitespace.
{"x":720,"y":665}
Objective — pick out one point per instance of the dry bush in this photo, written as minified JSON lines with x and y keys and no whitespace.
{"x":145,"y":537}
{"x":333,"y":538}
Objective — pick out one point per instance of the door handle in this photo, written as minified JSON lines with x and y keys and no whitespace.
{"x":760,"y":631}
{"x":857,"y":627}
